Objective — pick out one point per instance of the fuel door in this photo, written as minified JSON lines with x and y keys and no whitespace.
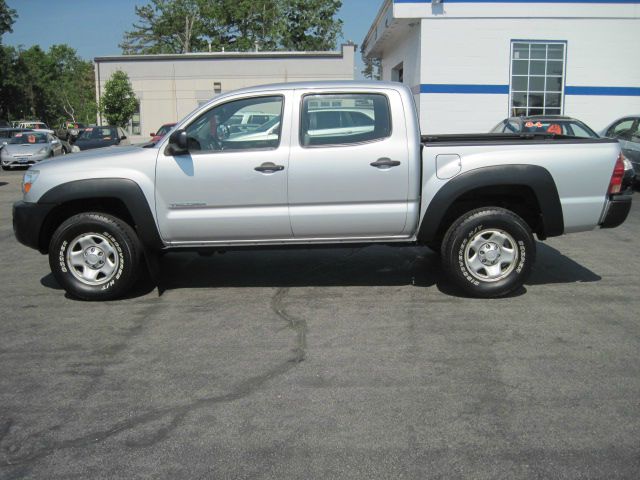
{"x":448,"y":165}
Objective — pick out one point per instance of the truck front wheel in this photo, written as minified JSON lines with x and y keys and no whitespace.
{"x":488,"y":252}
{"x":94,"y":256}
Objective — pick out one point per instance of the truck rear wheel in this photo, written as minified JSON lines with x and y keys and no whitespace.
{"x":488,"y":252}
{"x":95,"y":256}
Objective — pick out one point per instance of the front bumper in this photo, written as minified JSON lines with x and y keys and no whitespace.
{"x":28,"y":220}
{"x":617,"y":210}
{"x":11,"y":161}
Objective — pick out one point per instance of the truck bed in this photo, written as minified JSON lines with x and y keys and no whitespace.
{"x":506,"y":139}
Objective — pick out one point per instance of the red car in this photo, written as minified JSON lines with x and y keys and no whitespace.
{"x":162,"y":131}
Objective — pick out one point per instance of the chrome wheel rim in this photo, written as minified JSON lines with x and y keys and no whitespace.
{"x":491,"y":255}
{"x":92,"y":258}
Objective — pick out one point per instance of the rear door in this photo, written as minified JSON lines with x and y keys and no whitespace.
{"x":348,"y":178}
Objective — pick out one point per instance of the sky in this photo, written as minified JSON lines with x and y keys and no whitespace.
{"x":95,"y":27}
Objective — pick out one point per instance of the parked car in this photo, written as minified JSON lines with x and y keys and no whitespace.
{"x":28,"y":148}
{"x":34,"y":124}
{"x":325,"y":122}
{"x":4,"y":124}
{"x":627,"y":131}
{"x":479,"y":199}
{"x":98,"y":137}
{"x":66,"y":146}
{"x":554,"y":124}
{"x":69,"y":131}
{"x":559,"y":125}
{"x":162,"y":131}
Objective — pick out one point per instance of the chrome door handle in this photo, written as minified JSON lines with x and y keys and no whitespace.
{"x":269,"y":167}
{"x":385,"y":163}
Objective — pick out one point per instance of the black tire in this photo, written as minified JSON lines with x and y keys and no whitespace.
{"x":104,"y":233}
{"x":484,"y":237}
{"x":6,"y":167}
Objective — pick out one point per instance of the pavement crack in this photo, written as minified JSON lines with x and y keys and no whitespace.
{"x":299,"y":326}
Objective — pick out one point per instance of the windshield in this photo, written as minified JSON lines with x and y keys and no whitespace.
{"x":98,"y":133}
{"x":163,"y":130}
{"x":559,"y":127}
{"x":28,"y":138}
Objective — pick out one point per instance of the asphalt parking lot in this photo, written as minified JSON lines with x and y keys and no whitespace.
{"x":342,"y":363}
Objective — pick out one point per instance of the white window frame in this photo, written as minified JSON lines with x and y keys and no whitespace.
{"x":546,"y":75}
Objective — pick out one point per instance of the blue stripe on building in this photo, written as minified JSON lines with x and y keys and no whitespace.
{"x":525,"y":1}
{"x":504,"y":90}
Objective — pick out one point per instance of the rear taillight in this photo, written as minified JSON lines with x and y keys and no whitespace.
{"x":615,"y":185}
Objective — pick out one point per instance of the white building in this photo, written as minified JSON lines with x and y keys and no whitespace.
{"x":472,"y":63}
{"x":170,"y":86}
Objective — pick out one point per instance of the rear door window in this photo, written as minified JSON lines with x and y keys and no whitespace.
{"x":345,"y":119}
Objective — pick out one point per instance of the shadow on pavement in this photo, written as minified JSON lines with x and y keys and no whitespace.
{"x":554,"y":267}
{"x":331,"y":267}
{"x":2,"y":184}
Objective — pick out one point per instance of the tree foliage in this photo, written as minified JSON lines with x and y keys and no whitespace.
{"x":7,"y":18}
{"x":52,"y":86}
{"x":119,"y":102}
{"x":181,"y":26}
{"x":372,"y":68}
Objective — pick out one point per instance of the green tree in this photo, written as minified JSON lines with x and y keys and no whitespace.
{"x":74,"y":82}
{"x":310,"y":24}
{"x":181,"y":26}
{"x":372,"y":68}
{"x":166,"y":26}
{"x":119,"y":102}
{"x":7,"y":18}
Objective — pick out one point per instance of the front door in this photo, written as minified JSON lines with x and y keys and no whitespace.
{"x":232,"y":184}
{"x":349,"y":166}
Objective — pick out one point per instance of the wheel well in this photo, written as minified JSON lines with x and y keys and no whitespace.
{"x":62,"y":212}
{"x":520,"y":199}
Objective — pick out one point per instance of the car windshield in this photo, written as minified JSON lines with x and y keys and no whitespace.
{"x":28,"y":138}
{"x":559,"y":127}
{"x":163,"y":130}
{"x":98,"y":133}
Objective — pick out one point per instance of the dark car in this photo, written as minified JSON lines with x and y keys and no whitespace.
{"x":69,"y":131}
{"x":554,"y":124}
{"x":98,"y":137}
{"x":627,"y":131}
{"x":4,"y":123}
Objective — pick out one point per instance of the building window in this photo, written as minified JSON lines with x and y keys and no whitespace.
{"x":217,"y":87}
{"x":134,"y":125}
{"x":537,"y":78}
{"x":397,"y":74}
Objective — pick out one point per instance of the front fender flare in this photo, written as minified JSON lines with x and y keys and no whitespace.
{"x":123,"y":189}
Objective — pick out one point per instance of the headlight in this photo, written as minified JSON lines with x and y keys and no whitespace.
{"x":42,"y":151}
{"x":29,"y":179}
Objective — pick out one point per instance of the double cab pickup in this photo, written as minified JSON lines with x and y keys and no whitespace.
{"x":331,"y":163}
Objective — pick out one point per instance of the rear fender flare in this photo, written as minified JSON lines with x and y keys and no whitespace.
{"x":537,"y":178}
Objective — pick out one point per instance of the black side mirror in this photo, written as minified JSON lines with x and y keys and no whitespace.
{"x":178,"y":143}
{"x":123,"y":137}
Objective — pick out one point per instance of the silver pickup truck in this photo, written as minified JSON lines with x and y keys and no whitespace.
{"x":338,"y":163}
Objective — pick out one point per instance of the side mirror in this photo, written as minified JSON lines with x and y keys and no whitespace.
{"x":152,"y":134}
{"x":178,"y":143}
{"x":123,"y":137}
